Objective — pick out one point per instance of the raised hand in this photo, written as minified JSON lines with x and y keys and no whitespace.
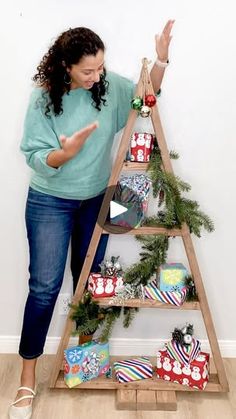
{"x":72,"y":145}
{"x":163,"y":41}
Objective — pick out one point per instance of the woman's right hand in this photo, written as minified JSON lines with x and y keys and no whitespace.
{"x":72,"y":145}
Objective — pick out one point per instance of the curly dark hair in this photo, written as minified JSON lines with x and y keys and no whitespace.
{"x":68,"y":49}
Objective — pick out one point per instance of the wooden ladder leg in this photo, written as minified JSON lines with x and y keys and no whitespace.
{"x":187,"y":240}
{"x":60,"y":353}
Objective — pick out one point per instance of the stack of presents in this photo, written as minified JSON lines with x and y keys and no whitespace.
{"x":132,"y":191}
{"x":169,"y":287}
{"x":180,"y":361}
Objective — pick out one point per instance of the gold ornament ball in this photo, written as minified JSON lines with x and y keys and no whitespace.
{"x":145,"y":111}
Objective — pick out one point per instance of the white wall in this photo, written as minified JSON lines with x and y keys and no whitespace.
{"x":198,"y":114}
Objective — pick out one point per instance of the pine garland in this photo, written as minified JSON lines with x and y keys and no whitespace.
{"x":89,"y":317}
{"x":178,"y":209}
{"x":153,"y":255}
{"x":111,"y":315}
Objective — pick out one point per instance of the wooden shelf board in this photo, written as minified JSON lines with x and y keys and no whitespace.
{"x":147,"y":384}
{"x":129,"y":165}
{"x":190,"y":305}
{"x":113,"y":229}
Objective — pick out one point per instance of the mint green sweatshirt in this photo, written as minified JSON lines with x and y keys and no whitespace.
{"x":87,"y":174}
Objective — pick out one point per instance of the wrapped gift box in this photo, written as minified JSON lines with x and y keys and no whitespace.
{"x":101,"y":286}
{"x":195,"y":374}
{"x":84,"y":362}
{"x":132,"y":192}
{"x":171,"y":277}
{"x":141,"y":146}
{"x":133,"y":369}
{"x":176,"y":298}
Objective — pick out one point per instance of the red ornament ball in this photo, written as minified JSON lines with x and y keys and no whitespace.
{"x":150,"y":100}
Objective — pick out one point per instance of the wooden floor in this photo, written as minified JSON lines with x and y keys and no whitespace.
{"x":100,"y":404}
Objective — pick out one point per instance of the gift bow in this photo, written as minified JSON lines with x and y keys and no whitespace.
{"x":182,"y":353}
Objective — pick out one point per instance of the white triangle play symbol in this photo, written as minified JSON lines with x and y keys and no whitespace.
{"x":116,"y":209}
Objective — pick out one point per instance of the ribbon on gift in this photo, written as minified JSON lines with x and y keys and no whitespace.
{"x":181,"y":353}
{"x":133,"y":369}
{"x":170,"y":297}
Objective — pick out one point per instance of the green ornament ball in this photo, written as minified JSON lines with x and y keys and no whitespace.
{"x":137,"y":103}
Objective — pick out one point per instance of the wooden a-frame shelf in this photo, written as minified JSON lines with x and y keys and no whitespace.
{"x":149,"y":394}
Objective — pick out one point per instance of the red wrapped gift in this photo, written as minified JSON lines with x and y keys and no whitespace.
{"x":101,"y":286}
{"x":141,"y":146}
{"x":195,"y":374}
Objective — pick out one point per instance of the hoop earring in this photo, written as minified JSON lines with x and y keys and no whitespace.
{"x":67,"y":79}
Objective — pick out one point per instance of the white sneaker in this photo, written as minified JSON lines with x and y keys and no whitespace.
{"x":22,"y":412}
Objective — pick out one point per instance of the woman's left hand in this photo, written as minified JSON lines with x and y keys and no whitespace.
{"x":163,"y":41}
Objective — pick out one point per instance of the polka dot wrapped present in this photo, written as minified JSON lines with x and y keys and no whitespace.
{"x":85,"y":362}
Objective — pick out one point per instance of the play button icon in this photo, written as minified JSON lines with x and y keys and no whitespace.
{"x":116,"y":209}
{"x":124,"y":205}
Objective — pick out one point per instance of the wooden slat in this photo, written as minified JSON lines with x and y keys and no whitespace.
{"x":147,"y":384}
{"x":134,"y":166}
{"x":126,"y":399}
{"x":166,"y":400}
{"x":191,"y":305}
{"x":204,"y":307}
{"x":113,"y":229}
{"x":146,"y":400}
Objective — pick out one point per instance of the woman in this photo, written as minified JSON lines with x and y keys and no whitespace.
{"x":71,"y":167}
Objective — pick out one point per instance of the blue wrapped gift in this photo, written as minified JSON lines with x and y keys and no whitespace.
{"x":171,"y":277}
{"x":132,"y":193}
{"x":85,"y":362}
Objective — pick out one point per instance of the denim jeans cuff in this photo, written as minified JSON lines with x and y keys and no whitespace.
{"x":29,"y":356}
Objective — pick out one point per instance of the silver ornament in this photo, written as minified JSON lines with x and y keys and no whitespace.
{"x":188,"y":339}
{"x":117,"y":266}
{"x":108,"y":264}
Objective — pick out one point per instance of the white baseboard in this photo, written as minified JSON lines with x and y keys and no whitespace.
{"x":119,"y":346}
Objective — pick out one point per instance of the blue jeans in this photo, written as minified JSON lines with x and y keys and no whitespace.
{"x":51,"y":223}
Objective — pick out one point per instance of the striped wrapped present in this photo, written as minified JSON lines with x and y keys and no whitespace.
{"x":170,"y":297}
{"x":133,"y":369}
{"x":183,"y":354}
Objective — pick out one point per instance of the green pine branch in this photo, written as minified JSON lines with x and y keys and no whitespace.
{"x":154,"y":254}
